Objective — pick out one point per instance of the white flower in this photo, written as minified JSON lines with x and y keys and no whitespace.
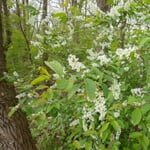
{"x":39,"y":36}
{"x":126,"y":68}
{"x":114,"y":12}
{"x":94,"y":64}
{"x":30,"y":95}
{"x":100,"y":106}
{"x":92,"y":55}
{"x":15,"y":74}
{"x":79,"y":18}
{"x":124,"y":104}
{"x":127,"y":5}
{"x":117,"y":113}
{"x":118,"y":134}
{"x":21,"y":95}
{"x":63,"y":43}
{"x":138,"y":92}
{"x":56,"y":76}
{"x":74,"y":122}
{"x":56,"y":45}
{"x":74,"y":63}
{"x":126,"y":52}
{"x":35,"y":43}
{"x":88,"y":114}
{"x":115,"y":88}
{"x":88,"y":25}
{"x":103,"y":59}
{"x":47,"y":32}
{"x":85,"y":72}
{"x":40,"y":53}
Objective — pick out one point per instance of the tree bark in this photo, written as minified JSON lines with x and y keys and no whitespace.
{"x":102,"y":4}
{"x":44,"y":13}
{"x":14,"y":131}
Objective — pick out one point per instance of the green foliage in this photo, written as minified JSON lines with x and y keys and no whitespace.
{"x":93,"y":92}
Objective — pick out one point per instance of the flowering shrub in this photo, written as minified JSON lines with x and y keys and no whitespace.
{"x":98,"y":98}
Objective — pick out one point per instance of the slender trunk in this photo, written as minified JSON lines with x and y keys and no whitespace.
{"x":44,"y":13}
{"x":23,"y":30}
{"x":14,"y":131}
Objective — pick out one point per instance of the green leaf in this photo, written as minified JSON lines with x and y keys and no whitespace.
{"x":56,"y":67}
{"x":105,"y":89}
{"x":39,"y":79}
{"x":88,"y":146}
{"x":76,"y":144}
{"x":46,"y":96}
{"x":90,"y":87}
{"x":104,"y":127}
{"x":136,"y":116}
{"x":147,"y":2}
{"x":90,"y":132}
{"x":145,"y":142}
{"x":43,"y":71}
{"x":65,"y":85}
{"x":144,"y":41}
{"x":70,"y":84}
{"x":131,"y":100}
{"x":145,"y":108}
{"x":115,"y":125}
{"x":105,"y":134}
{"x":135,"y":135}
{"x":62,"y":84}
{"x":73,"y":90}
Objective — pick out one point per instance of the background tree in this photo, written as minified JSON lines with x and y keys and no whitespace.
{"x":103,"y":5}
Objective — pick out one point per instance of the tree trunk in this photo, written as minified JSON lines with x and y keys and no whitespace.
{"x":44,"y":13}
{"x":102,"y":4}
{"x":14,"y":131}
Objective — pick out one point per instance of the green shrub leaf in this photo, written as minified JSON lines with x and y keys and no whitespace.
{"x":40,"y":79}
{"x":136,"y":116}
{"x":90,"y":87}
{"x":55,"y":66}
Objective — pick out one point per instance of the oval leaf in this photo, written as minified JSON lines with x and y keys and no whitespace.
{"x":135,"y":135}
{"x":39,"y":79}
{"x":105,"y":126}
{"x":136,"y":116}
{"x":90,"y":87}
{"x":55,"y":66}
{"x":115,"y":125}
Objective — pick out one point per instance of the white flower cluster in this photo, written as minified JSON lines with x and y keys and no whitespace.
{"x":98,"y":56}
{"x":88,"y":114}
{"x":117,"y":113}
{"x":103,"y":59}
{"x":74,"y":122}
{"x":118,"y":134}
{"x":92,"y":55}
{"x":39,"y":55}
{"x":74,"y":63}
{"x":97,"y":108}
{"x":114,"y":12}
{"x":15,"y":73}
{"x":35,"y":43}
{"x":138,"y":92}
{"x":126,"y":52}
{"x":21,"y":95}
{"x":79,"y":18}
{"x":100,"y":106}
{"x":115,"y":88}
